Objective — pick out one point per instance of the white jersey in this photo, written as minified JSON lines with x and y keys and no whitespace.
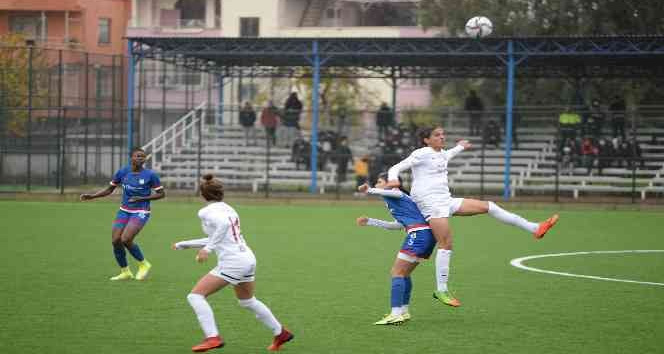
{"x":222,"y":225}
{"x":429,"y":168}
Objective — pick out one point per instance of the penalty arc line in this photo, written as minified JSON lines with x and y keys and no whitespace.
{"x":518,"y":263}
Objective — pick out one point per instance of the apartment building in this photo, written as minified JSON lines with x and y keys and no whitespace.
{"x":266,"y":18}
{"x":94,"y":26}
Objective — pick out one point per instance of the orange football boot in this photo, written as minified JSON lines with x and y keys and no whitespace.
{"x":279,"y":340}
{"x":208,"y":343}
{"x":545,"y":226}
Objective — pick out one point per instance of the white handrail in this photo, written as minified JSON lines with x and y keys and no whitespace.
{"x":178,"y":134}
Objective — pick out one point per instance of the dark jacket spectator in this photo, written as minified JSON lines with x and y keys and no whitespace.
{"x":475,"y":107}
{"x":384,"y":119}
{"x":292,"y":111}
{"x":492,"y":134}
{"x":593,"y":121}
{"x":343,"y":155}
{"x":618,"y":115}
{"x":247,"y":120}
{"x":270,"y":120}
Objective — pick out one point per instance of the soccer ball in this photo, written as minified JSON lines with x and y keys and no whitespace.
{"x":479,"y":26}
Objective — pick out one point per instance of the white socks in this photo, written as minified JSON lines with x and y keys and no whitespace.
{"x":442,"y":268}
{"x":263,"y":314}
{"x":204,"y":313}
{"x":511,"y":218}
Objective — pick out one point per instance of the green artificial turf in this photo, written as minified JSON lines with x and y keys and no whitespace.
{"x":328,"y":281}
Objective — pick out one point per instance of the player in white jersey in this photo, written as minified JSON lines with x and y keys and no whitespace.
{"x":236,"y":265}
{"x":430,"y":191}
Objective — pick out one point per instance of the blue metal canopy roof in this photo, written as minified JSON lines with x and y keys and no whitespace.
{"x":610,"y":56}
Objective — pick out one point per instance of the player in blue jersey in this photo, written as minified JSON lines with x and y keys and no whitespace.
{"x":418,"y":245}
{"x":137,"y":186}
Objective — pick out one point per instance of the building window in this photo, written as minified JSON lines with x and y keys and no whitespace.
{"x":249,"y":27}
{"x":104,"y":30}
{"x":29,"y":26}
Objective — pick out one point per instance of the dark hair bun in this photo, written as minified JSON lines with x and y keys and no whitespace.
{"x":208,"y":177}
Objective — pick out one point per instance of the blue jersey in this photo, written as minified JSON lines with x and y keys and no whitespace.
{"x":136,"y":184}
{"x":404,"y":210}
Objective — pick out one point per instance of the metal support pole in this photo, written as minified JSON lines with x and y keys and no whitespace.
{"x":131,"y":78}
{"x":508,"y":125}
{"x":87,"y":118}
{"x":314,"y":118}
{"x":113,"y":114}
{"x":220,"y":105}
{"x":60,"y":178}
{"x":63,"y":150}
{"x":163,"y":95}
{"x":29,"y":124}
{"x":395,"y":87}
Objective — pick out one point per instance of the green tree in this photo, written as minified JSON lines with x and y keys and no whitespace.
{"x":548,"y":17}
{"x":15,"y":81}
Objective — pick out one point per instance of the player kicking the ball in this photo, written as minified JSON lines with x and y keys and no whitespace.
{"x":236,"y":266}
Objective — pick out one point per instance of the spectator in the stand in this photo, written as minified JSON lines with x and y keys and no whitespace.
{"x":589,"y":153}
{"x":593,"y":121}
{"x":605,"y":155}
{"x":326,"y":146}
{"x":618,"y":109}
{"x":569,"y":122}
{"x":492,"y":134}
{"x":568,"y":157}
{"x":342,"y":156}
{"x":342,"y":122}
{"x":516,"y":121}
{"x":247,"y":120}
{"x":634,"y":151}
{"x":269,"y":120}
{"x":475,"y":108}
{"x":301,"y":153}
{"x":384,"y":120}
{"x":361,"y":168}
{"x":291,"y":119}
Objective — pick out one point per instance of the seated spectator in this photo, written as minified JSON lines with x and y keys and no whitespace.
{"x":492,"y":134}
{"x":361,"y":168}
{"x":589,"y":154}
{"x":635,"y":153}
{"x":301,"y":153}
{"x":569,"y":156}
{"x":605,"y":155}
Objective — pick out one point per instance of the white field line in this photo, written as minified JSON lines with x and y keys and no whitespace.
{"x":518,"y":262}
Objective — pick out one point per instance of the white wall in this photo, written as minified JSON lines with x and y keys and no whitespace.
{"x":267,"y":11}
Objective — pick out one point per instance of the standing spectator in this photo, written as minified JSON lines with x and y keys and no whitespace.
{"x":475,"y":108}
{"x":342,"y":122}
{"x":269,"y":120}
{"x":569,"y":122}
{"x":361,"y":168}
{"x":568,"y":156}
{"x":492,"y":134}
{"x":635,"y":152}
{"x":343,"y":155}
{"x":247,"y":120}
{"x":291,"y":119}
{"x":594,"y":120}
{"x":384,"y":120}
{"x":618,"y":109}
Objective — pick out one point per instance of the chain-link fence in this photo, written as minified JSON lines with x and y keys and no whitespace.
{"x":64,"y":123}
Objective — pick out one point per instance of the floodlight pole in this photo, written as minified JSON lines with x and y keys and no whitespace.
{"x":314,"y":118}
{"x":508,"y":114}
{"x":131,"y":77}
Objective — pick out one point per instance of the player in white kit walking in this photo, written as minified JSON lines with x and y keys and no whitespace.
{"x":431,"y":192}
{"x":236,"y":266}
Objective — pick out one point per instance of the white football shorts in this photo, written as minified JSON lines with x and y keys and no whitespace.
{"x":434,"y":206}
{"x":239,"y":269}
